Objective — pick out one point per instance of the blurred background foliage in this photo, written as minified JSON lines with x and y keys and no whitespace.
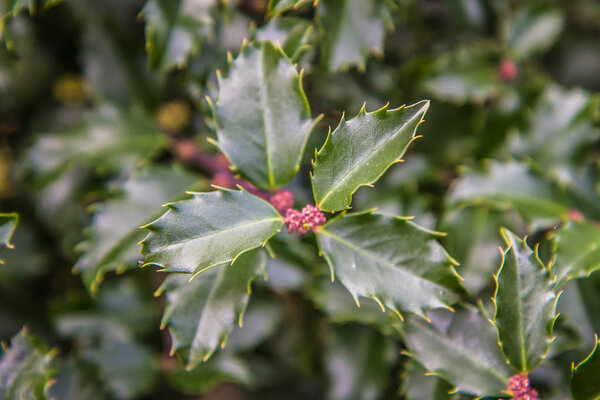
{"x":103,"y":119}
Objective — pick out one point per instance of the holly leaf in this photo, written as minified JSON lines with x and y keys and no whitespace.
{"x":584,"y":377}
{"x":111,"y":244}
{"x":279,"y":6}
{"x":462,"y":348}
{"x":391,"y":260}
{"x":418,"y":385}
{"x":353,"y":29}
{"x":360,"y":150}
{"x":201,"y":314}
{"x":366,"y":357}
{"x":506,"y":185}
{"x":175,"y":30}
{"x":106,"y":139}
{"x":11,"y":8}
{"x":25,"y":370}
{"x":209,"y":229}
{"x":8,"y":224}
{"x":532,"y":30}
{"x":525,"y":302}
{"x":293,"y":34}
{"x":577,"y":249}
{"x":262,"y":116}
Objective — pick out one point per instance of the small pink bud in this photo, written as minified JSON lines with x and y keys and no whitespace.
{"x":223,"y":179}
{"x":282,"y":200}
{"x":507,"y":71}
{"x":521,"y":389}
{"x":303,"y":221}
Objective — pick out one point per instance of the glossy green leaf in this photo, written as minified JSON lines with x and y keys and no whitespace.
{"x":358,"y":361}
{"x":525,"y":301}
{"x":532,"y":30}
{"x":113,"y":237}
{"x":107,"y":139}
{"x":577,"y":249}
{"x":585,"y":384}
{"x":262,"y":116}
{"x":510,"y":184}
{"x":360,"y":150}
{"x":209,"y":229}
{"x":353,"y":29}
{"x":201,"y":314}
{"x":175,"y":30}
{"x":462,"y":348}
{"x":25,"y":370}
{"x":391,"y":260}
{"x":8,"y":224}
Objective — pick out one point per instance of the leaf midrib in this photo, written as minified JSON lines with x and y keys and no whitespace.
{"x":377,"y":258}
{"x":241,"y":226}
{"x":263,"y":102}
{"x":362,"y":159}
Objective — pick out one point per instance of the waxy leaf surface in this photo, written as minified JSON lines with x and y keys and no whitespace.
{"x":462,"y":348}
{"x":360,"y":150}
{"x":525,"y":302}
{"x":209,"y":229}
{"x":390,"y":259}
{"x":262,"y":116}
{"x":585,"y":384}
{"x":353,"y":29}
{"x":112,"y":243}
{"x":202,"y":313}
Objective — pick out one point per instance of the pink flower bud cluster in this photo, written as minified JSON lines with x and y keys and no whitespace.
{"x":520,"y":388}
{"x":282,"y":200}
{"x":507,"y":70}
{"x":303,"y":221}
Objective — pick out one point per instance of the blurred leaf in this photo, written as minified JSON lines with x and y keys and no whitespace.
{"x":8,"y":224}
{"x":25,"y":371}
{"x":461,"y":347}
{"x":506,"y":185}
{"x":126,"y":368}
{"x":416,"y":385}
{"x":577,"y":248}
{"x":279,"y":6}
{"x":532,"y":30}
{"x":525,"y":301}
{"x":209,"y":229}
{"x":391,"y":260}
{"x":333,"y":299}
{"x":360,"y":150}
{"x":293,"y":34}
{"x":202,"y":313}
{"x":223,"y":367}
{"x":113,"y":237}
{"x":584,"y":377}
{"x":28,"y":259}
{"x":353,"y":29}
{"x":261,"y":319}
{"x":472,"y":239}
{"x":76,"y":381}
{"x":561,"y":129}
{"x":10,"y":8}
{"x":464,"y":75}
{"x":106,"y":139}
{"x":176,"y":29}
{"x":358,"y":362}
{"x":262,"y":116}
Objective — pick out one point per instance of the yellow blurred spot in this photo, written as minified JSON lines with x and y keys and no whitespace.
{"x":173,"y":116}
{"x":70,"y":89}
{"x":5,"y":162}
